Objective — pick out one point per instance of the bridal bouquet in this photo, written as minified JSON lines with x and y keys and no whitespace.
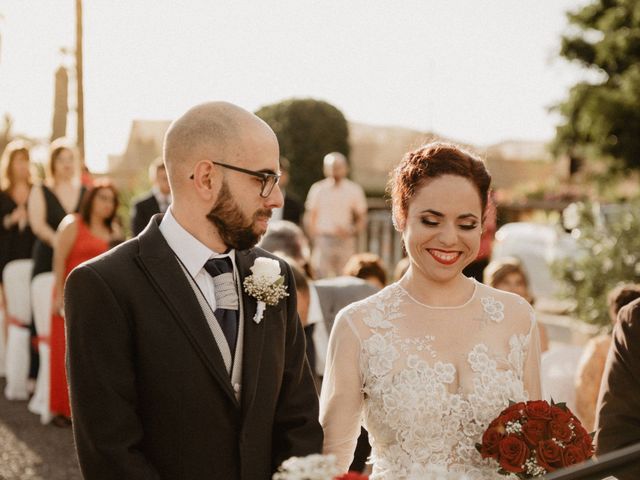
{"x":313,"y":467}
{"x":534,"y":438}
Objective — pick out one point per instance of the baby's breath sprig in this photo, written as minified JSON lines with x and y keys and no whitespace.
{"x":263,"y":291}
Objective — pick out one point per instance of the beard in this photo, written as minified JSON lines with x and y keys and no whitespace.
{"x":234,"y":228}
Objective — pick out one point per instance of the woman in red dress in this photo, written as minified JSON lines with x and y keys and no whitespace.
{"x":79,"y":238}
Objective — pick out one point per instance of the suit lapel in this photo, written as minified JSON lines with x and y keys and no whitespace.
{"x":253,"y":334}
{"x":164,"y":272}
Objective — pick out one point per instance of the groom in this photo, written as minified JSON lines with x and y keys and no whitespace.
{"x":172,"y":373}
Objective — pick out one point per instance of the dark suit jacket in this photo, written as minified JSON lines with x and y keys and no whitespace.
{"x":338,"y":292}
{"x":293,"y":209}
{"x":141,"y":212}
{"x":618,"y":422}
{"x":150,"y":395}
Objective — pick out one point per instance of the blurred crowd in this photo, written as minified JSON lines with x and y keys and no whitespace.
{"x":50,"y":225}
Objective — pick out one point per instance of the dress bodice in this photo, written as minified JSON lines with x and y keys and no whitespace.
{"x":426,"y":381}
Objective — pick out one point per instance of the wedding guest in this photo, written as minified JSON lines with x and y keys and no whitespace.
{"x":336,"y":212}
{"x":80,"y":237}
{"x":476,"y":268}
{"x":293,"y":209}
{"x":16,"y":237}
{"x":287,"y":238}
{"x":177,"y":369}
{"x":49,"y":203}
{"x":508,"y":274}
{"x":427,"y":362}
{"x":369,"y":267}
{"x":157,"y":200}
{"x":594,"y":356}
{"x":618,"y":417}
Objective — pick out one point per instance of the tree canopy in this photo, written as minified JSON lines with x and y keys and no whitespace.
{"x":602,"y":117}
{"x":307,"y":130}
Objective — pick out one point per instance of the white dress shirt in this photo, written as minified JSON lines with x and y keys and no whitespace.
{"x":320,"y":335}
{"x":193,"y":254}
{"x":163,"y":200}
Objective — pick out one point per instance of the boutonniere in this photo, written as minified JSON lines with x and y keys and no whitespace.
{"x":265,"y":284}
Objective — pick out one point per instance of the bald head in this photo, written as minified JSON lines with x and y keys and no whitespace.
{"x":213,"y":131}
{"x":335,"y":165}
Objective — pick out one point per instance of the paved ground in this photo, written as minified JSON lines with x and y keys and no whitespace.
{"x":30,"y":450}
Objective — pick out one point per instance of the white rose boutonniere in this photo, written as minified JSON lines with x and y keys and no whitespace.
{"x":265,"y":285}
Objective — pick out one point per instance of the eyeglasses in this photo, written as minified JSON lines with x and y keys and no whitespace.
{"x":269,"y":180}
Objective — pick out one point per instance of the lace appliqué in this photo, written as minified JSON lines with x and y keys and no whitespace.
{"x":410,"y":412}
{"x":493,"y":308}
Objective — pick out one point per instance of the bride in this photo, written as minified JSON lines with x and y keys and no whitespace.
{"x":429,"y":361}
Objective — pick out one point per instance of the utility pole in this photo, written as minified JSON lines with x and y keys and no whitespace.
{"x":80,"y":91}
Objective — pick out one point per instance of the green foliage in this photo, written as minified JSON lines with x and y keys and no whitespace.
{"x":307,"y":130}
{"x":603,"y":117}
{"x":608,"y":254}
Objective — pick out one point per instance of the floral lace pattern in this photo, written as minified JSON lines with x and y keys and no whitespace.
{"x":414,"y":409}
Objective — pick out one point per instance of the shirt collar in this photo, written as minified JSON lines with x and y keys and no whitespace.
{"x":192,"y":252}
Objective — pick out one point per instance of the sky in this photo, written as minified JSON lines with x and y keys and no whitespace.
{"x":479,"y":72}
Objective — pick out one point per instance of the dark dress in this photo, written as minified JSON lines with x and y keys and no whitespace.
{"x":15,"y":244}
{"x":43,"y":257}
{"x":43,"y":253}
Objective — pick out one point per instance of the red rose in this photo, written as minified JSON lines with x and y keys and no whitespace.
{"x":513,"y":452}
{"x":572,"y":455}
{"x":490,"y":441}
{"x":533,"y":431}
{"x":538,"y":409}
{"x":549,"y":455}
{"x":561,"y":415}
{"x":586,"y":443}
{"x":560,"y":431}
{"x":510,"y":415}
{"x":516,"y":407}
{"x":352,"y":476}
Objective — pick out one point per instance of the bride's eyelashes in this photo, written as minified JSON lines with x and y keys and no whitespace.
{"x":465,"y":226}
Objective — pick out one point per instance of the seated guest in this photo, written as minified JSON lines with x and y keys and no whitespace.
{"x":288,"y":239}
{"x":155,"y":201}
{"x":80,"y":237}
{"x":16,"y":238}
{"x":509,"y":275}
{"x":369,"y":267}
{"x":618,"y":410}
{"x":591,"y":364}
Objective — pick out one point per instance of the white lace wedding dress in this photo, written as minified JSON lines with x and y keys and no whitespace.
{"x":426,"y":381}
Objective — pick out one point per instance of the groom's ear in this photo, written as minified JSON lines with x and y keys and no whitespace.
{"x":206,"y":181}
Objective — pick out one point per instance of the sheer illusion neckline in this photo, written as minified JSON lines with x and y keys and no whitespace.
{"x":449,"y":307}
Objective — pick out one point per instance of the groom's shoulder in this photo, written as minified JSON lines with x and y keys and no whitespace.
{"x":117,"y":259}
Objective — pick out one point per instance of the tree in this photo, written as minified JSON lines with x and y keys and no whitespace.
{"x":607,"y":254}
{"x":307,"y":130}
{"x":602,"y":117}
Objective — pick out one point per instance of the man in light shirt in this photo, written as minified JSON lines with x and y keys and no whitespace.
{"x":336,"y":212}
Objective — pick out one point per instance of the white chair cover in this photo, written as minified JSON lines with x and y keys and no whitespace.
{"x":3,"y":345}
{"x":16,"y":279}
{"x":558,"y":370}
{"x":41,"y":296}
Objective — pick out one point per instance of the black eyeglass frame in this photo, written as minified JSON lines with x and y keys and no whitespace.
{"x":264,"y":176}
